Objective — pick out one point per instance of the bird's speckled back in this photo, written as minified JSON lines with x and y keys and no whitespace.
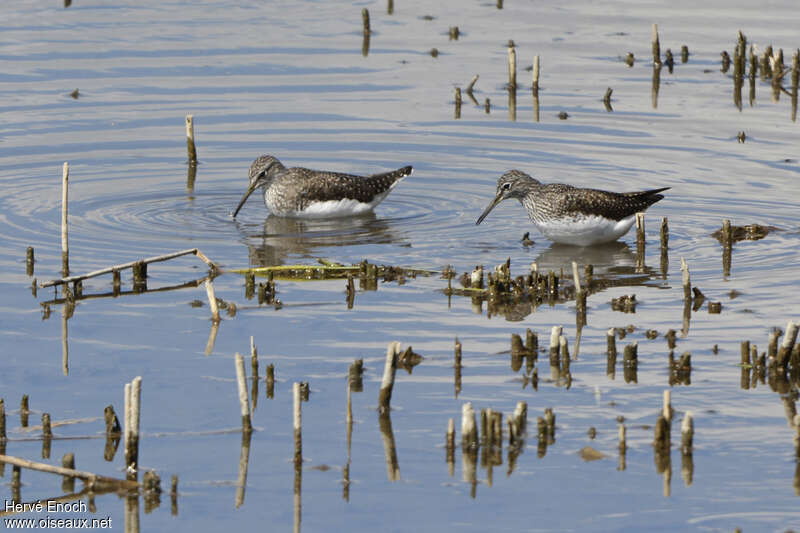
{"x":544,"y":202}
{"x":294,"y":189}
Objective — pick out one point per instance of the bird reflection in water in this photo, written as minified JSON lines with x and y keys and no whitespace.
{"x":281,"y":237}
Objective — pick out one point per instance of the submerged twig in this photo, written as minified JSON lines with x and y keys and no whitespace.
{"x":61,"y":471}
{"x":156,"y":259}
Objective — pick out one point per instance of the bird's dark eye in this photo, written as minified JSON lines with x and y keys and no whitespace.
{"x":506,"y":186}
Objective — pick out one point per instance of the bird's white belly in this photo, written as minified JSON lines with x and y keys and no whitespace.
{"x":585,"y":230}
{"x":331,"y":208}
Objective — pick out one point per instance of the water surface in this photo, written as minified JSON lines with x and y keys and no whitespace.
{"x":290,"y":79}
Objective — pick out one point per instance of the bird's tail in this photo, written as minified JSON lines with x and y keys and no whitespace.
{"x":645,"y":194}
{"x":395,"y":175}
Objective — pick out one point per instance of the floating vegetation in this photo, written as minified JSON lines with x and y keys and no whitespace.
{"x":629,"y":59}
{"x":516,"y":297}
{"x":625,"y":303}
{"x":748,"y":232}
{"x":526,"y":239}
{"x":331,"y":270}
{"x":409,"y":359}
{"x":779,"y":365}
{"x":680,"y":370}
{"x":590,"y":454}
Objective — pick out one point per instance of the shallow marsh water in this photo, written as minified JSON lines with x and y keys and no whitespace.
{"x":289,"y":78}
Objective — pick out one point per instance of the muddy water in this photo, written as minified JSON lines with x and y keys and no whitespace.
{"x":290,"y":79}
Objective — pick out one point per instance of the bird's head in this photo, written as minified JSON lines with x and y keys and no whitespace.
{"x":512,"y":184}
{"x":262,"y":171}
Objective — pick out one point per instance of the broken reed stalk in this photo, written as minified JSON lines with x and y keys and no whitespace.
{"x":772,"y":347}
{"x":687,"y":282}
{"x":139,"y":276}
{"x":666,"y":410}
{"x":298,"y":424}
{"x":555,"y":333}
{"x":656,"y":46}
{"x":133,"y":397}
{"x":664,"y":233}
{"x":745,"y":353}
{"x":116,"y":268}
{"x":727,"y":233}
{"x":112,"y":423}
{"x":365,"y":21}
{"x":68,"y":462}
{"x":512,"y":104}
{"x":469,"y":429}
{"x":253,"y":358}
{"x":244,"y":404}
{"x":212,"y":300}
{"x":24,"y":411}
{"x":611,"y":342}
{"x":512,"y":66}
{"x":472,"y":84}
{"x":563,"y":348}
{"x":173,"y":494}
{"x":126,"y":429}
{"x":457,"y":367}
{"x":457,"y":113}
{"x":655,"y":85}
{"x":550,"y":422}
{"x":270,"y":380}
{"x":450,"y":437}
{"x":61,"y":471}
{"x":536,"y":67}
{"x":190,"y":147}
{"x":640,"y":228}
{"x":789,"y":338}
{"x":577,"y":280}
{"x":687,"y":433}
{"x":29,"y":261}
{"x":753,"y":71}
{"x":389,"y":371}
{"x":521,"y":417}
{"x":136,"y":402}
{"x":795,"y":82}
{"x":64,"y":225}
{"x":2,"y":420}
{"x":661,"y":432}
{"x":15,"y":482}
{"x":607,"y":99}
{"x":47,"y":428}
{"x":669,"y":60}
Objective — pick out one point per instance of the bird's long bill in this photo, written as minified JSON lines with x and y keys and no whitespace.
{"x":253,"y":186}
{"x":497,"y":200}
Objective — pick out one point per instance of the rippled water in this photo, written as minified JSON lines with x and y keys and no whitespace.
{"x":290,"y":79}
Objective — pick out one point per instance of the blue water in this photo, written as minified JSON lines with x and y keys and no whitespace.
{"x":289,"y":79}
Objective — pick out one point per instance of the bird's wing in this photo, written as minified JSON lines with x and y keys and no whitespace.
{"x":321,"y":186}
{"x":615,"y":206}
